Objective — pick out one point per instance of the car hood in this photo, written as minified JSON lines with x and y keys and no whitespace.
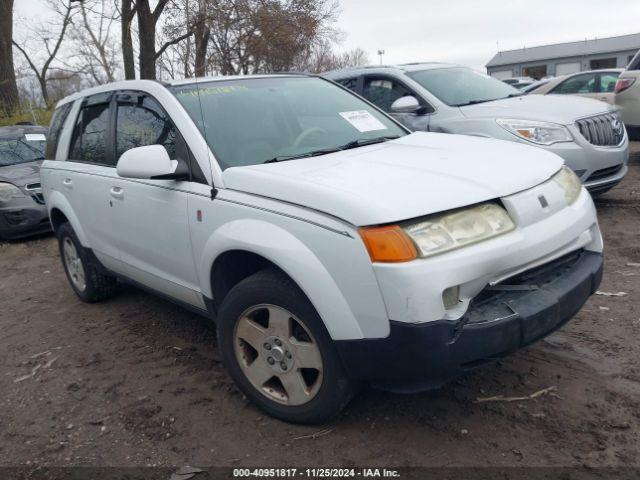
{"x":21,"y":174}
{"x":563,"y":109}
{"x":416,"y":175}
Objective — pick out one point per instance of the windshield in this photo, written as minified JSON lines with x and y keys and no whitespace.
{"x":21,"y":149}
{"x":258,"y":120}
{"x":462,"y":86}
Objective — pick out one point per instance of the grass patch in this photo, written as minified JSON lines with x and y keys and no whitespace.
{"x":42,"y":117}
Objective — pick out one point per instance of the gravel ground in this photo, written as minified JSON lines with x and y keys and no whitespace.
{"x":137,"y":381}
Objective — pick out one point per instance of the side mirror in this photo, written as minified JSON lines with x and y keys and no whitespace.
{"x":408,"y":104}
{"x":151,"y":162}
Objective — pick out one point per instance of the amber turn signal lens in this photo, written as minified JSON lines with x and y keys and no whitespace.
{"x":388,"y":244}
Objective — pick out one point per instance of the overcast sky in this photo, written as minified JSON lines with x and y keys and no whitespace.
{"x":462,"y":31}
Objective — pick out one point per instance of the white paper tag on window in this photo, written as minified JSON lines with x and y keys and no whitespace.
{"x":35,"y":137}
{"x":363,"y":121}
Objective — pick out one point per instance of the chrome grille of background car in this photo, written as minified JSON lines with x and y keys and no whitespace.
{"x":605,"y":130}
{"x":35,"y":190}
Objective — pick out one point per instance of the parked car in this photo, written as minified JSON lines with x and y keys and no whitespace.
{"x":596,"y":84}
{"x":513,"y":81}
{"x":331,"y":245}
{"x":22,"y":208}
{"x":536,"y":84}
{"x":446,"y":98}
{"x":627,"y":97}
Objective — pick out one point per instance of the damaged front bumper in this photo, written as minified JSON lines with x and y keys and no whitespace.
{"x":503,"y":318}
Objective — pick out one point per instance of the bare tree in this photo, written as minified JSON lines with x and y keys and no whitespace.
{"x":8,"y":86}
{"x":96,"y":50}
{"x":147,"y":23}
{"x":51,"y":36}
{"x":127,"y":12}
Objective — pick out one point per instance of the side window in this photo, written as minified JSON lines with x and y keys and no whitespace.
{"x":634,"y":63}
{"x":89,"y":142}
{"x":141,"y":121}
{"x":144,"y":123}
{"x":55,"y":128}
{"x":350,"y":83}
{"x":577,"y":84}
{"x":608,"y":82}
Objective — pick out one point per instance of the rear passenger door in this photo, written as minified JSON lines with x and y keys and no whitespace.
{"x":88,"y":174}
{"x":151,"y":216}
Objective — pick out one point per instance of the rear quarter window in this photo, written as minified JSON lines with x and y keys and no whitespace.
{"x":55,"y":129}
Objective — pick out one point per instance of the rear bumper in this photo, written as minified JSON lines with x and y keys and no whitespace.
{"x":502,"y":319}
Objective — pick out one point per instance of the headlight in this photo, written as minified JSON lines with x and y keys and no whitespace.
{"x":9,"y":191}
{"x":449,"y":231}
{"x":540,"y":133}
{"x":569,"y":182}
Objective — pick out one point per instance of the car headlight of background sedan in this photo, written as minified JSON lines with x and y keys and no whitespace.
{"x":569,"y":182}
{"x":441,"y":233}
{"x":541,"y":133}
{"x":9,"y":191}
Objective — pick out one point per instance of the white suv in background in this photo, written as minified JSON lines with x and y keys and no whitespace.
{"x":331,"y":246}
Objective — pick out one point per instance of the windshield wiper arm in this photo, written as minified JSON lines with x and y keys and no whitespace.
{"x":315,"y":153}
{"x":473,"y":102}
{"x":366,"y":141}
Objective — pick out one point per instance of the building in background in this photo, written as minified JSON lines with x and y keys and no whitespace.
{"x":564,"y":58}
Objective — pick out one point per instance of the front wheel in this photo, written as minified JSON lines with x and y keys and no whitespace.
{"x":278,"y":351}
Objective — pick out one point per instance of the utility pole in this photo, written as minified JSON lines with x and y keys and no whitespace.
{"x":381,"y":53}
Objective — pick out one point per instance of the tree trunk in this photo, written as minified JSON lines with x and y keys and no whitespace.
{"x":8,"y":86}
{"x":201,"y":33}
{"x":147,"y":38}
{"x":127,"y":42}
{"x":45,"y":90}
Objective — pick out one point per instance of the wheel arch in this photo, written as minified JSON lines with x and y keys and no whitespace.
{"x":260,"y":244}
{"x":60,"y":211}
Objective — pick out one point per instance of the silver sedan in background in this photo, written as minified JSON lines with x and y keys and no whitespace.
{"x":437,"y":97}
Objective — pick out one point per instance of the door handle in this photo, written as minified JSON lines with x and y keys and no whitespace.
{"x":68,"y":183}
{"x":116,"y":192}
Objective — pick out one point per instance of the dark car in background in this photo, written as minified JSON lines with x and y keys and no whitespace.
{"x":22,"y":209}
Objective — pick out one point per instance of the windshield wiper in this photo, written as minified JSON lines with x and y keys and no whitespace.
{"x":473,"y":102}
{"x":361,"y":142}
{"x":315,"y":153}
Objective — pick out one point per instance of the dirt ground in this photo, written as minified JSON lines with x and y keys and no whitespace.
{"x":137,"y":381}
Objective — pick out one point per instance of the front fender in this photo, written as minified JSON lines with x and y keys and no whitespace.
{"x":56,"y":200}
{"x":287,"y":252}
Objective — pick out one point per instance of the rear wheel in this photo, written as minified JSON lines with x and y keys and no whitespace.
{"x":276,"y":348}
{"x":89,"y":284}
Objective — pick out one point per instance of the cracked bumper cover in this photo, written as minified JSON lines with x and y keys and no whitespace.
{"x":500,"y":320}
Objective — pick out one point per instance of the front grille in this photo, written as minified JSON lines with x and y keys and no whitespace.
{"x":35,"y":190}
{"x":604,"y":173}
{"x":493,"y":301}
{"x":606,"y":130}
{"x":38,"y":197}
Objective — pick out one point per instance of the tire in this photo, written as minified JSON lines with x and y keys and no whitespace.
{"x":265,"y":297}
{"x":89,"y":284}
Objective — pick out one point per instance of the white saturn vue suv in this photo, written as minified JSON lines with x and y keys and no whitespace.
{"x":331,"y":246}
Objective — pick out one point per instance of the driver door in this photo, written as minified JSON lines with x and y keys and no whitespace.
{"x":151,"y":216}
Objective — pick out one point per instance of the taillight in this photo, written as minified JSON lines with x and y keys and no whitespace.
{"x":623,"y":83}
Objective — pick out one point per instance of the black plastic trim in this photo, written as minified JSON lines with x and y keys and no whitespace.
{"x":417,"y":357}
